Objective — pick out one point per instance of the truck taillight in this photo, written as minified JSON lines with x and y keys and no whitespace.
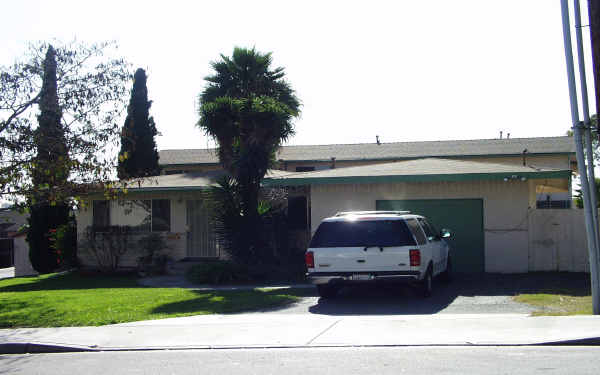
{"x":415,"y":258}
{"x":309,"y":258}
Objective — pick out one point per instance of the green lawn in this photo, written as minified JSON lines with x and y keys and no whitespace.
{"x":79,"y":300}
{"x":558,"y":302}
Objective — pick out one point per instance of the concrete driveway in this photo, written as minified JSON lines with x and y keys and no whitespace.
{"x":473,"y":294}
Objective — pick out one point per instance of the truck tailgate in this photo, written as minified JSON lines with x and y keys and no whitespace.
{"x":357,"y":259}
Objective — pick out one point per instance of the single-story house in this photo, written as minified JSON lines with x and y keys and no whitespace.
{"x":491,"y":193}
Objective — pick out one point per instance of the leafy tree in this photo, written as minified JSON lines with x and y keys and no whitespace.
{"x":579,"y":195}
{"x":248,"y":107}
{"x":594,"y":131}
{"x":138,"y":156}
{"x":90,"y":92}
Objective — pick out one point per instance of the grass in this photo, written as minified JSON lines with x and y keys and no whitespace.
{"x":558,"y":302}
{"x":60,"y":300}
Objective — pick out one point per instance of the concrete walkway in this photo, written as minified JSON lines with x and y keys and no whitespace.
{"x":289,"y":330}
{"x":7,"y":273}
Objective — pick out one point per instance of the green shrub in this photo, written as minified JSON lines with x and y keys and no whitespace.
{"x":218,"y":272}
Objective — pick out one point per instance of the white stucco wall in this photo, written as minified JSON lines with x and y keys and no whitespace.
{"x":505,"y":210}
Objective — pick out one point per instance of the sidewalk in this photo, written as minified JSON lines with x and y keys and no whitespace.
{"x":293,"y":330}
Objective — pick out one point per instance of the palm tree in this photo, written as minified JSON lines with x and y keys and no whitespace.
{"x":248,"y":108}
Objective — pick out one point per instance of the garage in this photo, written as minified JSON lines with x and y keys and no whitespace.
{"x":452,"y":193}
{"x":463,"y":217}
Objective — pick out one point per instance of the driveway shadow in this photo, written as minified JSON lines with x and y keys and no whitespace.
{"x":376,"y":299}
{"x":384,"y":300}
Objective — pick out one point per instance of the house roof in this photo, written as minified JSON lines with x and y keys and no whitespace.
{"x":391,"y":151}
{"x":11,"y":221}
{"x":185,"y":181}
{"x":417,"y":170}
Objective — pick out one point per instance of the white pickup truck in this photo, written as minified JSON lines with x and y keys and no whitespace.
{"x":377,"y":246}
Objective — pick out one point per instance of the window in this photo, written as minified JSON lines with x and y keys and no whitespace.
{"x":362,"y":233}
{"x":136,"y":214}
{"x":429,"y":231}
{"x":161,"y":215}
{"x":100,"y":213}
{"x":416,"y":231}
{"x":305,"y":169}
{"x":175,"y":171}
{"x":553,"y":204}
{"x":140,"y":215}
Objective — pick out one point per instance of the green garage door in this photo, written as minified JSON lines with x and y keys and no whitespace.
{"x":464,"y":218}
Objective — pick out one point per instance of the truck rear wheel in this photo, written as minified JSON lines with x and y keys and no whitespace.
{"x":327,"y":291}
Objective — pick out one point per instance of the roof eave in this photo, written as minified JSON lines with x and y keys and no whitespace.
{"x":168,"y":188}
{"x":414,"y":178}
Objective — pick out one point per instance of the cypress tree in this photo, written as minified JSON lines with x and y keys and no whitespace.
{"x":50,"y":170}
{"x":138,"y":156}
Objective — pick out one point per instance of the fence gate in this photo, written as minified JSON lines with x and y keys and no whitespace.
{"x":201,"y":241}
{"x":7,"y":255}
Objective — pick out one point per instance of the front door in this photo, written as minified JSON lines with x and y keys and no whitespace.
{"x":201,"y":241}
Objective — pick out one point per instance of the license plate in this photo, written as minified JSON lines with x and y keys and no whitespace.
{"x":357,"y":276}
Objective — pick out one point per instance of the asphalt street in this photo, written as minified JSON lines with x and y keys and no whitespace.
{"x":347,"y":361}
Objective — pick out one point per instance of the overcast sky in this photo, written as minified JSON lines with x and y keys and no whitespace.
{"x":403,"y":70}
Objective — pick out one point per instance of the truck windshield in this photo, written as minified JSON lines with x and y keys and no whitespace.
{"x":358,"y":233}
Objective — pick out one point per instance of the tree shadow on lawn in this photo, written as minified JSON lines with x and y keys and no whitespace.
{"x":66,"y":281}
{"x":224,"y":302}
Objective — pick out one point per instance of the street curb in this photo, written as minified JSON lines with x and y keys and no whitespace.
{"x":591,"y":341}
{"x":38,"y":348}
